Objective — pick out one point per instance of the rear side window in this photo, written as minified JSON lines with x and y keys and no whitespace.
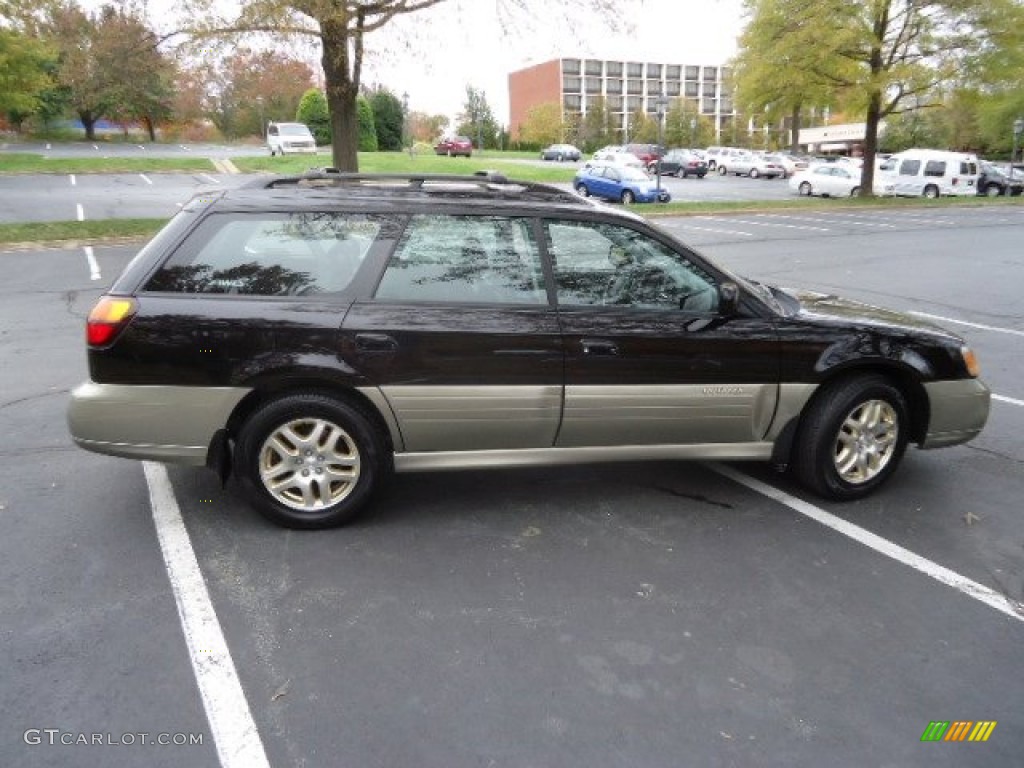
{"x":465,"y":259}
{"x":935,"y":168}
{"x":968,"y":169}
{"x":270,"y":254}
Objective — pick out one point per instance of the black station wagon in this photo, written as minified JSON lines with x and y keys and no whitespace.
{"x":314,"y":333}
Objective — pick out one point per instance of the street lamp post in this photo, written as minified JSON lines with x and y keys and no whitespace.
{"x":660,"y":104}
{"x":1018,"y":129}
{"x":693,"y":131}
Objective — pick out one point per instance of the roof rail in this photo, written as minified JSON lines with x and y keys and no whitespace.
{"x":484,"y":181}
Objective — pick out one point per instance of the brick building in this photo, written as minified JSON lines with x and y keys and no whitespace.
{"x":625,"y":85}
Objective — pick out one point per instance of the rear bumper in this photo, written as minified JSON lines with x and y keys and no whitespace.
{"x":959,"y":410}
{"x":173,"y":424}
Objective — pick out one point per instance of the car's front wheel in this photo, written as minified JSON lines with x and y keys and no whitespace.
{"x":805,"y":188}
{"x":581,"y":190}
{"x":852,"y":437}
{"x":993,"y":190}
{"x":722,"y":170}
{"x":628,"y":198}
{"x":753,"y":173}
{"x":309,"y":460}
{"x":931,"y":192}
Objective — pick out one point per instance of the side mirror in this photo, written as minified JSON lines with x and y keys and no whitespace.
{"x":728,"y":298}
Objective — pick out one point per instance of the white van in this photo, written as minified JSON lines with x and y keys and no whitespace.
{"x":928,"y":172}
{"x":283,"y":138}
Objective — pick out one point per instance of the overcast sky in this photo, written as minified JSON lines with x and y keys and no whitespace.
{"x":434,"y":54}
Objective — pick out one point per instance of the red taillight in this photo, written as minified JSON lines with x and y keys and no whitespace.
{"x":107,"y":319}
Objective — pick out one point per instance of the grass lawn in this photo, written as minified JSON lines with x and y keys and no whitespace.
{"x":59,"y":231}
{"x":24,"y":162}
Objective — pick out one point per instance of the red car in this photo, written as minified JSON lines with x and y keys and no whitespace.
{"x":455,"y":145}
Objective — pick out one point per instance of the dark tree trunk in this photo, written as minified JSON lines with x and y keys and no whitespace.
{"x":150,"y":128}
{"x":341,"y":72}
{"x":794,"y":143}
{"x":89,"y":123}
{"x":874,"y":115}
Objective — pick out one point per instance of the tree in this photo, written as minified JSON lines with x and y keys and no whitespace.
{"x":543,"y":125}
{"x":367,"y":126}
{"x":341,"y":28}
{"x":24,"y":74}
{"x":642,"y":128}
{"x":878,"y":56}
{"x":388,"y":119}
{"x":426,"y":128}
{"x":312,"y":111}
{"x":678,"y":131}
{"x":596,"y":130}
{"x":477,"y":119}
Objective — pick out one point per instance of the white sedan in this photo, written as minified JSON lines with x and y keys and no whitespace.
{"x":827,"y":180}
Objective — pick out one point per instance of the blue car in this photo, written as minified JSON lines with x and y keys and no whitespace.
{"x":620,"y":183}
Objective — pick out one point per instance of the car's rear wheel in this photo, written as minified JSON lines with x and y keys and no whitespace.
{"x":852,"y":437}
{"x":753,"y":173}
{"x":309,"y":460}
{"x":931,"y":192}
{"x":805,"y":188}
{"x":722,"y":170}
{"x":581,"y":190}
{"x":680,"y":173}
{"x":993,"y":190}
{"x":628,"y":198}
{"x":854,"y":192}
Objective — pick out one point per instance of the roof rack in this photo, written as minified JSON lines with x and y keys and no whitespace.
{"x":481,"y":181}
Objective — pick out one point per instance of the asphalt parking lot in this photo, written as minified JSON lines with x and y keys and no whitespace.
{"x":641,"y":615}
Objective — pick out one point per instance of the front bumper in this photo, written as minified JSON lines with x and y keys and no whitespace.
{"x":173,"y":424}
{"x":959,"y":410}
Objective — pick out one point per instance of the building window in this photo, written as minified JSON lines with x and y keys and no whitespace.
{"x":571,"y":84}
{"x":654,"y":70}
{"x":613,"y":86}
{"x":709,"y":89}
{"x":654,"y":87}
{"x":570,"y":66}
{"x":726,"y":74}
{"x":710,"y":73}
{"x":707,"y":106}
{"x":634,"y":103}
{"x":593,"y":85}
{"x":635,"y":86}
{"x":673,"y":71}
{"x":726,"y":106}
{"x":615,"y":103}
{"x":691,"y":91}
{"x":634,"y":69}
{"x":672,"y":88}
{"x":593,"y":68}
{"x":613,"y":68}
{"x":692,"y":73}
{"x":572,"y":102}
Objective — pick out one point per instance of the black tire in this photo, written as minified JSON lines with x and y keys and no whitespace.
{"x":830,"y":420}
{"x":753,"y":173}
{"x":931,"y":192}
{"x":680,"y":172}
{"x":581,"y":190}
{"x":353,"y":442}
{"x":854,"y":192}
{"x":805,"y":188}
{"x":993,"y":190}
{"x":628,"y":198}
{"x":722,"y":170}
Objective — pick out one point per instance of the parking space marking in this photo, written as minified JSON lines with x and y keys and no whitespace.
{"x":145,"y":178}
{"x":208,"y":176}
{"x":714,"y":230}
{"x":980,"y":326}
{"x":94,"y":267}
{"x":79,"y":211}
{"x":885,"y":547}
{"x":1010,"y":400}
{"x":73,"y":180}
{"x":773,"y":224}
{"x":234,"y":731}
{"x":852,"y":219}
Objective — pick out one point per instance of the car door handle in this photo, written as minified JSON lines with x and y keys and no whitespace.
{"x":375,"y":342}
{"x":594,"y":347}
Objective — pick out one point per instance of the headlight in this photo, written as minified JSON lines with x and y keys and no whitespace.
{"x":970,"y":361}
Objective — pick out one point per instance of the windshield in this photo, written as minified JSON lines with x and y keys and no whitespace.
{"x":293,"y":129}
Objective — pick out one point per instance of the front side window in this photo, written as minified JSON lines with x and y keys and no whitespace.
{"x":599,"y":264}
{"x":910,"y":167}
{"x":270,"y":254}
{"x":935,"y":168}
{"x":460,"y":259}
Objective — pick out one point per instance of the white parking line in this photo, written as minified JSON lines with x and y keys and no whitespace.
{"x":1010,"y":400}
{"x":714,"y":230}
{"x":94,"y":267}
{"x":854,"y":219}
{"x":774,"y":224}
{"x":234,"y":731}
{"x":208,"y":176}
{"x":885,"y":547}
{"x":940,"y":318}
{"x":73,"y":180}
{"x":80,"y":211}
{"x":145,"y":178}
